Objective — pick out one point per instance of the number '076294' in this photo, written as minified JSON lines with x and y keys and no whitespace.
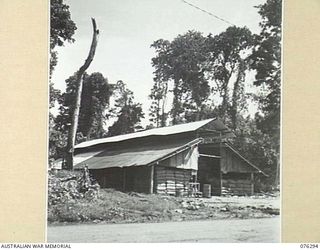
{"x":310,"y":246}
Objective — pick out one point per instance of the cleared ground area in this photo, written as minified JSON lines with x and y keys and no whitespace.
{"x":115,"y":207}
{"x":265,"y":230}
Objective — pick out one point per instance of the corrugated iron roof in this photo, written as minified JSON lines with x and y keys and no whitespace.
{"x":84,"y":156}
{"x":244,"y":159}
{"x":176,"y":129}
{"x":137,"y":155}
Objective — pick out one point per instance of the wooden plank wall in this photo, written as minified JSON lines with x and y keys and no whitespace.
{"x":230,"y":162}
{"x":237,"y":184}
{"x":169,"y":180}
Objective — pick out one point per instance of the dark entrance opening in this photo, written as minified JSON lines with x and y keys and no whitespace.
{"x":209,"y":172}
{"x":137,"y":178}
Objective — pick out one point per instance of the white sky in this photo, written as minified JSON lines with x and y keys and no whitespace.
{"x":128,"y":28}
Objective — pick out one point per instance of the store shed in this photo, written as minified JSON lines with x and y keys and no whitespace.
{"x":165,"y":160}
{"x":150,"y":166}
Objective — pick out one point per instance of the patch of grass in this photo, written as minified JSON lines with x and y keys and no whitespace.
{"x":113,"y":206}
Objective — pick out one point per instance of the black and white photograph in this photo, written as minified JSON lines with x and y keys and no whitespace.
{"x":164,"y":121}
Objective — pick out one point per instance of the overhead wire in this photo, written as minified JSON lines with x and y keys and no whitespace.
{"x":207,"y":12}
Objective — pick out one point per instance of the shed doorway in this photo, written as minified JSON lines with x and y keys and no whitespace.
{"x":127,"y":179}
{"x":209,"y":172}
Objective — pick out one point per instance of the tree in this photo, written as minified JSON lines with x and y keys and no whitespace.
{"x":207,"y":76}
{"x":95,"y":99}
{"x":94,"y":102}
{"x":191,"y":88}
{"x":183,"y":63}
{"x":157,"y":109}
{"x":79,"y":81}
{"x":57,"y":143}
{"x":162,"y":75}
{"x":62,"y":28}
{"x":238,"y":99}
{"x":189,"y":63}
{"x":228,"y":53}
{"x":128,"y":112}
{"x":266,"y":60}
{"x":55,"y":136}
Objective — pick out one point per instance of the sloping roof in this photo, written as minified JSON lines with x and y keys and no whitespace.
{"x":137,"y":155}
{"x":176,"y":129}
{"x":84,"y":156}
{"x":244,"y":159}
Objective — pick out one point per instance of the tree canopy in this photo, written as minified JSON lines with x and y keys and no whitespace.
{"x":62,"y":28}
{"x":266,"y":60}
{"x":182,"y":62}
{"x":196,"y":69}
{"x":228,"y":58}
{"x":127,"y":112}
{"x":94,"y":102}
{"x":207,"y":78}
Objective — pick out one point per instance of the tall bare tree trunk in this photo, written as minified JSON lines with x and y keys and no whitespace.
{"x":79,"y":81}
{"x":236,"y":95}
{"x":163,"y":114}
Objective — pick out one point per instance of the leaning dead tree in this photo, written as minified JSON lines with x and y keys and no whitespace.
{"x":79,"y":83}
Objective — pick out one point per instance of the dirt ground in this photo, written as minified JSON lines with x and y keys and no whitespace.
{"x":116,"y":207}
{"x":258,"y":202}
{"x":263,"y":230}
{"x":71,"y":202}
{"x":172,"y":219}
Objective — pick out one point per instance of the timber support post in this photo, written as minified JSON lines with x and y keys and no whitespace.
{"x":252,"y":183}
{"x":151,"y":178}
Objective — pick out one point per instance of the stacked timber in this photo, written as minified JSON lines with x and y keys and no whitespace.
{"x":226,"y":191}
{"x":237,"y":187}
{"x":172,"y":181}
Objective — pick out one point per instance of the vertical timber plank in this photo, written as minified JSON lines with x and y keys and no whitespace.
{"x":151,"y":179}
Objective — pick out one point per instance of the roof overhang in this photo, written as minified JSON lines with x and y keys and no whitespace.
{"x":137,"y":155}
{"x":244,"y":159}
